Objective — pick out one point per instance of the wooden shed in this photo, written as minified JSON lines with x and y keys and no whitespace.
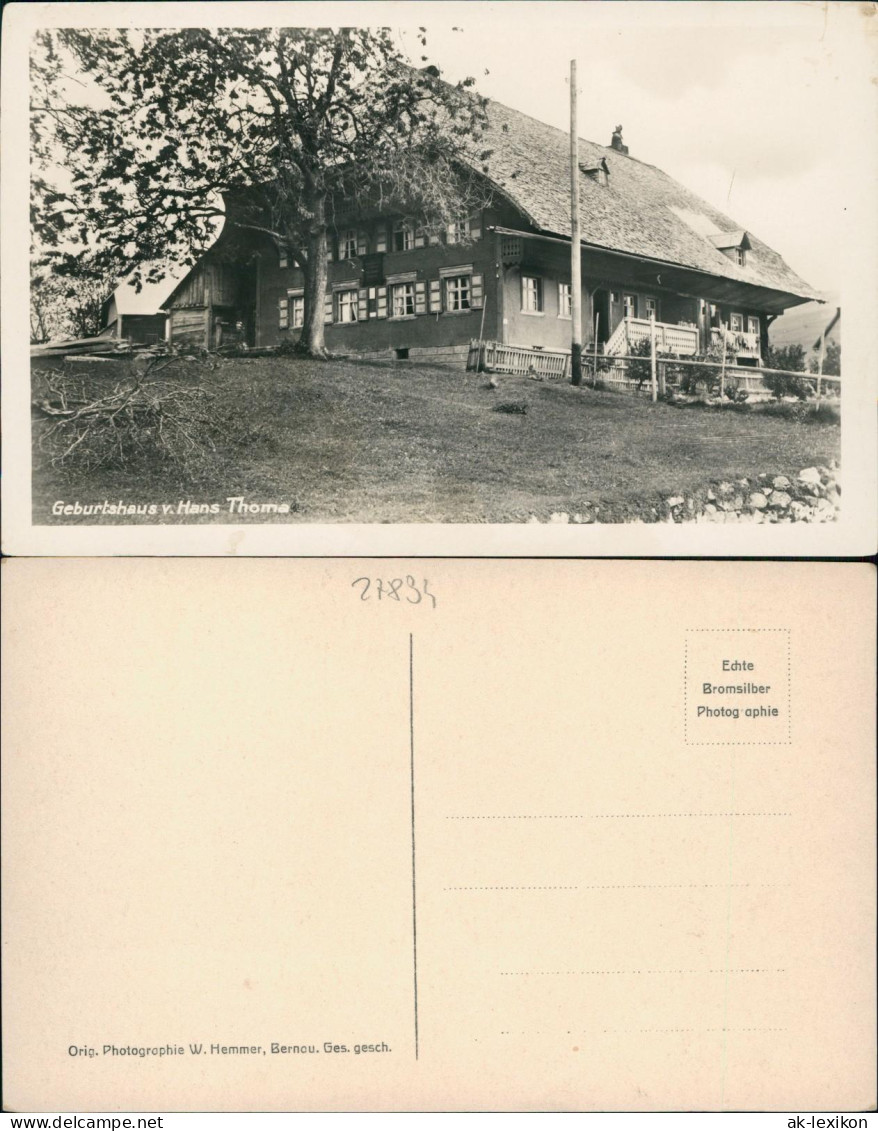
{"x":214,"y":305}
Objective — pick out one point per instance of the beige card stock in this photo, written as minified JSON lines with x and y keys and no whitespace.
{"x":455,"y":835}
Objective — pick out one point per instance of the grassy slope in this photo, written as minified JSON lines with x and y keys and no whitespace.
{"x":353,"y":441}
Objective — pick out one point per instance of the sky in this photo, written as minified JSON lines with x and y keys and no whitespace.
{"x":746,"y":103}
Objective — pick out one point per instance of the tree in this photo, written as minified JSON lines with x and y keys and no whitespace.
{"x":285,"y":122}
{"x":787,"y":357}
{"x":831,"y":360}
{"x":67,"y":295}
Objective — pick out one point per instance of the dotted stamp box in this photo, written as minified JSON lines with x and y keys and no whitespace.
{"x":736,"y":687}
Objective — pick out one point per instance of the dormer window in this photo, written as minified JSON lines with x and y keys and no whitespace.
{"x":599,"y":173}
{"x":733,"y":245}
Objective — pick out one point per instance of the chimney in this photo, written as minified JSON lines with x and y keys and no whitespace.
{"x":617,"y":143}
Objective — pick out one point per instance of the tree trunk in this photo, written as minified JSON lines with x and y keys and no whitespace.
{"x":312,"y":338}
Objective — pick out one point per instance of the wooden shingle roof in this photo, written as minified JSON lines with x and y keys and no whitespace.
{"x":641,"y":211}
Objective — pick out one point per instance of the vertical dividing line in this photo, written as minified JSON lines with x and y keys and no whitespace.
{"x":414,"y":880}
{"x":726,"y":986}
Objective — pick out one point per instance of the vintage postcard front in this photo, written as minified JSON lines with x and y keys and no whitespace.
{"x":440,"y":278}
{"x":433,"y":835}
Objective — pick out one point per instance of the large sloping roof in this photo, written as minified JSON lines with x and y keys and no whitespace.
{"x":641,"y":210}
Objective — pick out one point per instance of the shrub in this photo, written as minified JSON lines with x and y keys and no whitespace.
{"x":788,"y":357}
{"x":831,"y":360}
{"x":786,"y":385}
{"x":640,"y":371}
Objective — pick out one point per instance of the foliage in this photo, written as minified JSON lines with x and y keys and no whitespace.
{"x":640,"y":371}
{"x":831,"y":360}
{"x":67,"y":294}
{"x":291,"y":347}
{"x":814,"y":413}
{"x":515,"y":408}
{"x":265,"y":129}
{"x":790,"y":357}
{"x":786,"y":385}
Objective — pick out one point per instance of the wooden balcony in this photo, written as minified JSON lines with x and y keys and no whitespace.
{"x":669,"y":338}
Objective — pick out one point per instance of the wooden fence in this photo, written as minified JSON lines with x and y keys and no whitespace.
{"x":494,"y":357}
{"x":615,"y":371}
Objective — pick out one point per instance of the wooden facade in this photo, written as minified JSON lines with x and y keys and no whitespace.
{"x":214,"y":305}
{"x":651,"y":251}
{"x":433,"y":297}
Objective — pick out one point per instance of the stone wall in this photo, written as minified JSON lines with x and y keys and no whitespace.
{"x":814,"y":495}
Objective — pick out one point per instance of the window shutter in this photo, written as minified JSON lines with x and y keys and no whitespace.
{"x":435,"y":296}
{"x":475,"y":228}
{"x":283,"y":311}
{"x":327,"y":309}
{"x":476,"y":296}
{"x":381,"y":238}
{"x":362,"y":305}
{"x":420,"y":237}
{"x":328,"y":248}
{"x":420,"y":298}
{"x":381,"y":312}
{"x":362,"y":243}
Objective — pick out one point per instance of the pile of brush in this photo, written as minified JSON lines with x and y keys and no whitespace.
{"x":141,"y":420}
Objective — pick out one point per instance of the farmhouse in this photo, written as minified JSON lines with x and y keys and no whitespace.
{"x":651,"y":251}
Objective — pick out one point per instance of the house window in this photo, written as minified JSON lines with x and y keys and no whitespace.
{"x":651,"y":307}
{"x":402,"y":296}
{"x":403,"y":235}
{"x":736,"y":323}
{"x":565,"y":300}
{"x":297,"y":311}
{"x":531,"y":294}
{"x":753,"y":325}
{"x":629,"y":305}
{"x":740,"y":256}
{"x":458,"y":292}
{"x":283,"y":258}
{"x":346,"y":305}
{"x":458,"y":231}
{"x":347,"y":244}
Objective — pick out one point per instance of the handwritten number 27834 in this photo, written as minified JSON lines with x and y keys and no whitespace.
{"x":403,"y":589}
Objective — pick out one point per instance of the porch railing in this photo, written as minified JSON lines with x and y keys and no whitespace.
{"x":669,"y":338}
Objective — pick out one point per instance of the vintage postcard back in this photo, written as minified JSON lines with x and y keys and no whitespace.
{"x":371,"y":835}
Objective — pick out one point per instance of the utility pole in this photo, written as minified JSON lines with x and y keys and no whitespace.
{"x":575,"y":269}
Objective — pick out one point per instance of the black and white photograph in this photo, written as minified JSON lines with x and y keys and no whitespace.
{"x":568,"y":274}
